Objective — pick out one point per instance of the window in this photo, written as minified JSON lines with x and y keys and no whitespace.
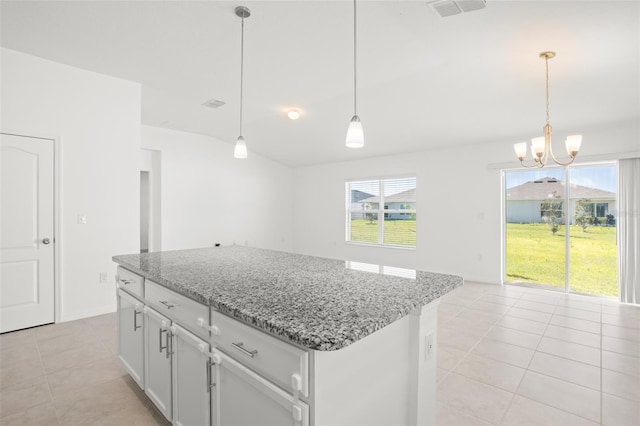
{"x":393,"y":201}
{"x":602,"y":209}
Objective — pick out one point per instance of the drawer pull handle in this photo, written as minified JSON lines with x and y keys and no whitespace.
{"x":167,"y":304}
{"x":239,"y":346}
{"x":126,"y":282}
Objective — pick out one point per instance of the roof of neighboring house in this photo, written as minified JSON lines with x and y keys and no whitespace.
{"x":357,"y":196}
{"x":408,"y":196}
{"x":542,"y":189}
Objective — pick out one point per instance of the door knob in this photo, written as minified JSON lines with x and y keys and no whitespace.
{"x":46,"y":241}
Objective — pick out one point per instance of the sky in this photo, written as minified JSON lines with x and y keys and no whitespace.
{"x":600,"y":176}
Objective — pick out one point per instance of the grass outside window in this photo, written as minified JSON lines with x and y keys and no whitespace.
{"x":535,"y":255}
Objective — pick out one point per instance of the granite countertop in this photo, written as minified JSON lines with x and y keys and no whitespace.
{"x":311,"y":301}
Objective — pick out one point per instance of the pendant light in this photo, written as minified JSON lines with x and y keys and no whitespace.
{"x":541,"y":146}
{"x":240,"y":150}
{"x":355,"y":135}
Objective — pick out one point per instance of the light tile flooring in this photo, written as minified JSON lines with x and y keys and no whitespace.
{"x":526,"y":356}
{"x":506,"y":356}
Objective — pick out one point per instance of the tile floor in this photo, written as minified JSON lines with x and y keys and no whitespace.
{"x":525,"y":356}
{"x":506,"y":356}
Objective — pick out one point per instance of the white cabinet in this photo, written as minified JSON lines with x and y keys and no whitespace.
{"x":157,"y":368}
{"x":241,"y":397}
{"x":131,"y":336}
{"x":191,"y":378}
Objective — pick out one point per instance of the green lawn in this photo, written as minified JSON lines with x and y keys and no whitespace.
{"x":534,"y":254}
{"x":402,"y":232}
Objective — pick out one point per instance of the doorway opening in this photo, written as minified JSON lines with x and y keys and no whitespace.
{"x":560,"y":228}
{"x":145,"y":198}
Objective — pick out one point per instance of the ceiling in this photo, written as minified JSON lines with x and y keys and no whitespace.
{"x":423,"y":81}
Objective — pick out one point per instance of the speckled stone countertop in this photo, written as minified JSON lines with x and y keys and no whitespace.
{"x":311,"y":301}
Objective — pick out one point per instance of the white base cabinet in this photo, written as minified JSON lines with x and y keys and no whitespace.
{"x":241,"y":397}
{"x":191,"y":378}
{"x":243,"y":376}
{"x":131,"y":336}
{"x":157,"y":366}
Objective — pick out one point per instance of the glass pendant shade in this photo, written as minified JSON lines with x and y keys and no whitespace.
{"x":537,"y":146}
{"x":240,"y":150}
{"x":355,"y":135}
{"x":521,"y":150}
{"x":573,"y":143}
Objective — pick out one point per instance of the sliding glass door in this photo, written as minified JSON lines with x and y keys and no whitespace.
{"x":592,"y":239}
{"x":560,"y":235}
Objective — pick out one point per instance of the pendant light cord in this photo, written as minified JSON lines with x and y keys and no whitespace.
{"x":355,"y":66}
{"x":241,"y":71}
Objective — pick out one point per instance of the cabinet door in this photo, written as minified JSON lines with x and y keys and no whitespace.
{"x":131,"y":336}
{"x":157,"y":368}
{"x":241,"y":397}
{"x":190,"y":378}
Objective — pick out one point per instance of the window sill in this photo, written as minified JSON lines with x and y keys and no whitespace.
{"x":391,"y":246}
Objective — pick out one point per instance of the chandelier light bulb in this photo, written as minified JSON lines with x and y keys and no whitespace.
{"x":573,"y":143}
{"x":521,"y":150}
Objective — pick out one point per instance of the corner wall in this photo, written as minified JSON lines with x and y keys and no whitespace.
{"x":96,"y":119}
{"x":209,"y":197}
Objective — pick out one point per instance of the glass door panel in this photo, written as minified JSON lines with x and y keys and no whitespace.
{"x":534,"y":229}
{"x":593,"y":251}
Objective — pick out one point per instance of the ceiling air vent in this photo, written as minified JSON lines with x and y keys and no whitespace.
{"x":214,"y":103}
{"x":450,"y":7}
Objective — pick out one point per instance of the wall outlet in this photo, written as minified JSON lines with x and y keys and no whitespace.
{"x":103,"y":277}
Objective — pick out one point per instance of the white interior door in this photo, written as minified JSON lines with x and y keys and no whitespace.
{"x":26,"y":232}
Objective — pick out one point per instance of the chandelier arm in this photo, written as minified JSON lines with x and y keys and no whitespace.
{"x":531,"y":166}
{"x":558,"y":162}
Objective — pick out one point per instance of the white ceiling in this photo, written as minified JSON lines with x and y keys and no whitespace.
{"x":423,"y":81}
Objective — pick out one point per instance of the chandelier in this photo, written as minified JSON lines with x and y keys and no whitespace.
{"x":541,"y":146}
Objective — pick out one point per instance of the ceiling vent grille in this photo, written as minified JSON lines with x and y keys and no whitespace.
{"x":450,"y":7}
{"x":214,"y":103}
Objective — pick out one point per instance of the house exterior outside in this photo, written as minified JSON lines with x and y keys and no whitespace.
{"x":357,"y":207}
{"x":524,"y":202}
{"x":405,"y":200}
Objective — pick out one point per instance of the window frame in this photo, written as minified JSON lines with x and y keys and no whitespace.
{"x":381,"y":212}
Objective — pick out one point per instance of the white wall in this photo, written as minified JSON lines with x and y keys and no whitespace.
{"x":209,"y":197}
{"x":459,"y":197}
{"x":97,"y":121}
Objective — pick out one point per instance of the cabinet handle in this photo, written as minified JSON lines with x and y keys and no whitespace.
{"x":167,"y":304}
{"x":160,"y":347}
{"x":239,"y":346}
{"x":125,"y":282}
{"x":209,"y":383}
{"x":169,"y":346}
{"x":135,"y":320}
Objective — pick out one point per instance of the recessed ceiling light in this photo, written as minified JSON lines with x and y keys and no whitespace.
{"x":293,"y":114}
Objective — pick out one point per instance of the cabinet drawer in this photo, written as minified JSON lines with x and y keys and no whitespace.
{"x":263,"y":353}
{"x":188,"y":313}
{"x":127,"y":280}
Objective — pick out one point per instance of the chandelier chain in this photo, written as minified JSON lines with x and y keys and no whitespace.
{"x":546,"y":61}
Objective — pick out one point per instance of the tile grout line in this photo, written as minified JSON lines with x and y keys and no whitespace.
{"x":515,"y":392}
{"x":46,"y":377}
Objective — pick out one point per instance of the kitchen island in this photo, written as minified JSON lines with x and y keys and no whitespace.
{"x":338,"y":342}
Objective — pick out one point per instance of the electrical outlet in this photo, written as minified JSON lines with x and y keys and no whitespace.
{"x":103,"y":277}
